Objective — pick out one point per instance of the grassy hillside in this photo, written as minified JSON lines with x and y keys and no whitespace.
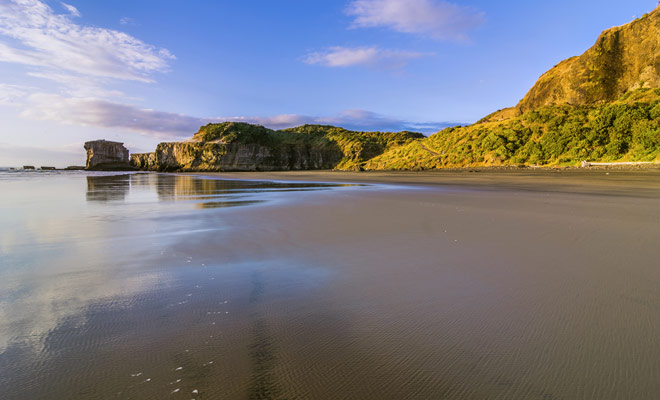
{"x":625,"y":130}
{"x":356,"y":147}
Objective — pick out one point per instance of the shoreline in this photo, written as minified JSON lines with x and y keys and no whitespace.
{"x":644,"y":183}
{"x":593,"y":166}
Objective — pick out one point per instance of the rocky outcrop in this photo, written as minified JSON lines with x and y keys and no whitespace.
{"x":624,"y":58}
{"x":144,"y":161}
{"x":187,"y":156}
{"x":234,"y":146}
{"x":103,"y":155}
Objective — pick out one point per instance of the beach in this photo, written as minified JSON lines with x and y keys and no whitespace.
{"x":456,"y":285}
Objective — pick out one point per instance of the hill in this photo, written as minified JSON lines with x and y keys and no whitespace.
{"x":601,"y":106}
{"x":625,"y":130}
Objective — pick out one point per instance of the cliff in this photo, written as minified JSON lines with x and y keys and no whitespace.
{"x":624,"y":58}
{"x":103,"y":155}
{"x":234,"y":146}
{"x":144,"y":161}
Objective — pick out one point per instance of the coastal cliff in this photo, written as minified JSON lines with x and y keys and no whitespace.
{"x":624,"y":58}
{"x":233,"y":146}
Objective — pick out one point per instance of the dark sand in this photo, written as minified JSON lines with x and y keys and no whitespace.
{"x":608,"y":181}
{"x":431,"y":286}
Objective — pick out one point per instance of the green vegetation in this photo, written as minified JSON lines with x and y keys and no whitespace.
{"x":235,"y":132}
{"x":357,"y":147}
{"x":354,"y":148}
{"x":626,"y":130}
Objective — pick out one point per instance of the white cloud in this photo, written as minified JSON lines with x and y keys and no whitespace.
{"x":71,"y":9}
{"x":440,"y":20}
{"x":364,"y":56}
{"x":31,"y":33}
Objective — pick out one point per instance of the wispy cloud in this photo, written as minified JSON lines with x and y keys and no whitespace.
{"x":127,"y":21}
{"x":169,"y":126}
{"x":12,"y":95}
{"x":31,"y":33}
{"x":71,"y":9}
{"x":363,"y":56}
{"x":440,"y":20}
{"x":95,"y":112}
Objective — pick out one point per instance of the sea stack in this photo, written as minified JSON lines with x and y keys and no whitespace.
{"x":106,"y":155}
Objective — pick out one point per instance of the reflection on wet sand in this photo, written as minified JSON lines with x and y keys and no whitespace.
{"x":108,"y":188}
{"x":82,"y":275}
{"x":204,"y":193}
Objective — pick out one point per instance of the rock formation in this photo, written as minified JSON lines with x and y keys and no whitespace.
{"x":144,"y":161}
{"x":234,"y":146}
{"x":103,"y":154}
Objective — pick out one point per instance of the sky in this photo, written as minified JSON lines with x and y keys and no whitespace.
{"x":150,"y":71}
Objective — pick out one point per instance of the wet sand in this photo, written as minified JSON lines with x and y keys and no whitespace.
{"x":454,"y":285}
{"x":606,"y":181}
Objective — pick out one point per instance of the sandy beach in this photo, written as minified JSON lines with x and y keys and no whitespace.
{"x":412,"y":285}
{"x":572,"y":180}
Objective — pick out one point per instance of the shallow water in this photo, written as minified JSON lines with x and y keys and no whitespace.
{"x":149,"y":286}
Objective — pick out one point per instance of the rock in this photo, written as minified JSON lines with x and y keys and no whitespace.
{"x":144,"y":161}
{"x":74,"y":168}
{"x":106,"y":155}
{"x":235,"y":146}
{"x":48,"y":168}
{"x":187,"y":156}
{"x":28,"y":167}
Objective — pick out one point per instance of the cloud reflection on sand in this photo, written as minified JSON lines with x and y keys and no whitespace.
{"x":64,"y":252}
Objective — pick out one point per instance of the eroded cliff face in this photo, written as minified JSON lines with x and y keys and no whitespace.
{"x":145,"y":161}
{"x":209,"y":157}
{"x":234,"y":146}
{"x":103,"y":154}
{"x":624,"y":58}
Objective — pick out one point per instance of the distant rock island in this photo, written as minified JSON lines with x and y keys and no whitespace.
{"x":603,"y":106}
{"x":104,"y":155}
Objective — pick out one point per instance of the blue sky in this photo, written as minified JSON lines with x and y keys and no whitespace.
{"x":147,"y":71}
